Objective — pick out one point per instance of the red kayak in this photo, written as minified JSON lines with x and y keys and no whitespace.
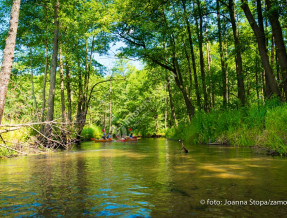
{"x":127,"y":140}
{"x":103,"y":140}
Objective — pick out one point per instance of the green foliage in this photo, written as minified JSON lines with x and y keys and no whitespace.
{"x":276,"y":128}
{"x":155,"y":32}
{"x":4,"y":152}
{"x":91,"y":131}
{"x":264,"y":125}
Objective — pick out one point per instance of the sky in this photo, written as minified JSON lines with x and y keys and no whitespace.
{"x":110,"y":59}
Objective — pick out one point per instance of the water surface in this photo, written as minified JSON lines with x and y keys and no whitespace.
{"x":148,"y":178}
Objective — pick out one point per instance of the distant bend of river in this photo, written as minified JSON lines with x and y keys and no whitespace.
{"x":147,"y":178}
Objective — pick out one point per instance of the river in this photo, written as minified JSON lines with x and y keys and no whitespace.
{"x":147,"y":178}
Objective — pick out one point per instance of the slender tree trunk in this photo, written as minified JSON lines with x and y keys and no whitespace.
{"x":80,"y":109}
{"x":44,"y":87}
{"x":171,"y":101}
{"x":156,"y":124}
{"x":53,"y":71}
{"x":165,"y":108}
{"x":110,"y":104}
{"x":222,"y":59}
{"x":105,"y":116}
{"x":8,"y":55}
{"x":226,"y":64}
{"x":264,"y":83}
{"x":238,"y":58}
{"x":32,"y":82}
{"x":208,"y":60}
{"x":279,"y":40}
{"x":202,"y":65}
{"x":261,"y":27}
{"x":45,"y":73}
{"x":272,"y":53}
{"x":192,"y":56}
{"x":178,"y":77}
{"x":179,"y":82}
{"x":277,"y":66}
{"x":69,"y":92}
{"x":257,"y":78}
{"x":262,"y":50}
{"x":189,"y":89}
{"x":62,"y":96}
{"x":62,"y":87}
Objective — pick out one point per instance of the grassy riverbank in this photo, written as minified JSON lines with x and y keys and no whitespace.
{"x":262,"y":125}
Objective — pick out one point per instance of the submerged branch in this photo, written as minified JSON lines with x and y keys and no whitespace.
{"x":1,"y":145}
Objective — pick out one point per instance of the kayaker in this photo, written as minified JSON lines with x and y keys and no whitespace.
{"x":104,"y":136}
{"x":110,"y":135}
{"x":131,"y":136}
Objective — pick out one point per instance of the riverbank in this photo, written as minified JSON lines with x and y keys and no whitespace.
{"x":263,"y":126}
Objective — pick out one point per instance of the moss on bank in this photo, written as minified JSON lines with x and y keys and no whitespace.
{"x":263,"y":125}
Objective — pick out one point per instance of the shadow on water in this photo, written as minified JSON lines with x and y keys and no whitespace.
{"x":148,"y":178}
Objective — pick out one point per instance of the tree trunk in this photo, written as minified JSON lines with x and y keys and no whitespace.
{"x":192,"y":56}
{"x":62,"y":97}
{"x":277,"y":66}
{"x":8,"y":55}
{"x":279,"y":40}
{"x":238,"y":58}
{"x":189,"y":89}
{"x":202,"y":67}
{"x":262,"y":50}
{"x":272,"y":53}
{"x":44,"y":86}
{"x":45,"y":74}
{"x":32,"y":82}
{"x":69,"y":92}
{"x":222,"y":59}
{"x":53,"y":71}
{"x":156,"y":124}
{"x":257,"y":78}
{"x":165,"y":108}
{"x":110,"y":104}
{"x":80,"y":109}
{"x":105,"y":116}
{"x":261,"y":27}
{"x":208,"y":59}
{"x":171,"y":101}
{"x":179,"y":82}
{"x":62,"y":87}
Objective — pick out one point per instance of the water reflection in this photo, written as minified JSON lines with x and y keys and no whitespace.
{"x":149,"y":178}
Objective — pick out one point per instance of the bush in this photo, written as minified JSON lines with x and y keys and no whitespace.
{"x":91,"y":131}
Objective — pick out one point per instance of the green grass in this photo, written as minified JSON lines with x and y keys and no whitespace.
{"x":263,"y":125}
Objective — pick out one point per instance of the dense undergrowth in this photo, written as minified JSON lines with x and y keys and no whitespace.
{"x":91,"y":131}
{"x":260,"y":124}
{"x":263,"y":125}
{"x":20,"y":140}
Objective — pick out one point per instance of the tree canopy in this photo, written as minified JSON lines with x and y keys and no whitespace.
{"x":199,"y":55}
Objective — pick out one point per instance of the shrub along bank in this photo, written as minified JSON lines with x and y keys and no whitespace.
{"x":262,"y":125}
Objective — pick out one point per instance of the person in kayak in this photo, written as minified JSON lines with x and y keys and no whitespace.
{"x":110,"y":136}
{"x":131,"y":135}
{"x":104,"y":136}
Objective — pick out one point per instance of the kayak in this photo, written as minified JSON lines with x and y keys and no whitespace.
{"x":127,"y":140}
{"x":103,"y":140}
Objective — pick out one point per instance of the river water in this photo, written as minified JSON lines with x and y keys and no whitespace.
{"x":148,"y":178}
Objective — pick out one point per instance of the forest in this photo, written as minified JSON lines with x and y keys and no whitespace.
{"x":212,"y":71}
